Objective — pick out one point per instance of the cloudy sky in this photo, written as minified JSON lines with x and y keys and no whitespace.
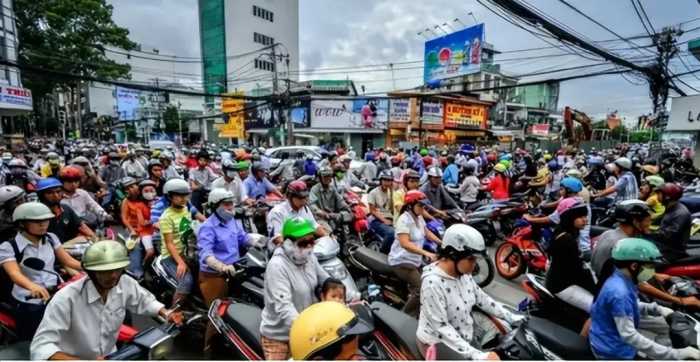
{"x":340,"y":33}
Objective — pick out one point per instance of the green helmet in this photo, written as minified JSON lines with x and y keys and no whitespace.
{"x":505,"y":163}
{"x":636,"y":249}
{"x":297,"y":228}
{"x":242,"y":165}
{"x":655,"y":181}
{"x":423,"y":152}
{"x":105,"y":255}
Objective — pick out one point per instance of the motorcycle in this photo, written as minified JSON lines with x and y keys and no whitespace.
{"x":393,"y":337}
{"x":326,"y":251}
{"x":543,"y":304}
{"x":523,"y":251}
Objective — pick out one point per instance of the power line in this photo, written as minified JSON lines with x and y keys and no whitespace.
{"x":644,"y":13}
{"x":639,"y":15}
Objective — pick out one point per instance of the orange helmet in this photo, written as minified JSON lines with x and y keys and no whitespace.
{"x":70,"y":173}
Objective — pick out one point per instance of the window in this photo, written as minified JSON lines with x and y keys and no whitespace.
{"x":264,"y":65}
{"x":264,"y":14}
{"x":487,"y":82}
{"x":263,"y":39}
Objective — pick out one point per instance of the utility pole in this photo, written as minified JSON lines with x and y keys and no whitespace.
{"x":660,"y":81}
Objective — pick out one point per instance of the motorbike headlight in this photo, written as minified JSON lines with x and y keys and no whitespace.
{"x":161,"y":349}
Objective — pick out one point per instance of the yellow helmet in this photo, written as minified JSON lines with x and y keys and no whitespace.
{"x":320,"y":325}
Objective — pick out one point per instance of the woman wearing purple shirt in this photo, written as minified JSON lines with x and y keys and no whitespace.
{"x":218,"y":240}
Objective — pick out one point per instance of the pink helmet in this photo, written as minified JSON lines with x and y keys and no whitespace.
{"x":567,"y":203}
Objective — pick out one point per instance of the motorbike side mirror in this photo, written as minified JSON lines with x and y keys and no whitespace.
{"x":34,"y":263}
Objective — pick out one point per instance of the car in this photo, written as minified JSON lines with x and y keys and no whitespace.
{"x":275,"y":155}
{"x":162,"y":144}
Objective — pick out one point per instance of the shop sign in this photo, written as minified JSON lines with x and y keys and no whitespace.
{"x":367,"y":113}
{"x":432,"y":115}
{"x":15,"y":98}
{"x":399,"y":112}
{"x":465,"y":116}
{"x":540,"y":129}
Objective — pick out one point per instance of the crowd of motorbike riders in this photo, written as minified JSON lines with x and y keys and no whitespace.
{"x":52,"y":197}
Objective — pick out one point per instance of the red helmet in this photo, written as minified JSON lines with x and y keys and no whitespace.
{"x":427,"y":161}
{"x":297,"y":189}
{"x":671,"y":191}
{"x":491,"y":157}
{"x":70,"y":173}
{"x":414,"y":196}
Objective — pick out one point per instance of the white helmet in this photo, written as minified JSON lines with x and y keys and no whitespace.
{"x":435,"y":172}
{"x":218,"y":195}
{"x":624,"y":162}
{"x":178,"y":186}
{"x":574,"y":173}
{"x":34,"y":211}
{"x":464,"y":239}
{"x":9,"y":193}
{"x":16,"y":162}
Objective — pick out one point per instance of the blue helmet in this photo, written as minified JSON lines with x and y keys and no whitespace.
{"x":573,"y":185}
{"x":505,"y":156}
{"x":553,"y":165}
{"x":48,"y":183}
{"x":467,"y":148}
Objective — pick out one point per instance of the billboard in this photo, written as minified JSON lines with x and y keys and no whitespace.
{"x":15,"y":98}
{"x":454,"y":55}
{"x":364,"y":113}
{"x":258,"y":116}
{"x":299,"y":116}
{"x":232,"y":109}
{"x":540,"y":129}
{"x":134,"y":104}
{"x":433,"y":114}
{"x":685,"y":114}
{"x":400,"y":112}
{"x":465,"y":116}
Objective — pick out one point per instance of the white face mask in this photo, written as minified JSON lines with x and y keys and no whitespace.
{"x":296,"y":254}
{"x":231,"y":174}
{"x":149,"y":195}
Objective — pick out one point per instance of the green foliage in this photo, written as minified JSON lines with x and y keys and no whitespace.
{"x":68,"y":36}
{"x":171,"y":118}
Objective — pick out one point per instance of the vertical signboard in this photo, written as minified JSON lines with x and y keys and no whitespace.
{"x":232,"y":108}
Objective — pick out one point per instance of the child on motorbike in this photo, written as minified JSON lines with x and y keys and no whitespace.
{"x":333,"y":290}
{"x":136,"y":215}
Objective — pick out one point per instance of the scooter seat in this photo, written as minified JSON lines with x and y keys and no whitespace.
{"x":245,"y":320}
{"x":401,"y":324}
{"x":598,"y":230}
{"x":692,"y":259}
{"x":560,"y":340}
{"x":17,"y":351}
{"x":374,"y":260}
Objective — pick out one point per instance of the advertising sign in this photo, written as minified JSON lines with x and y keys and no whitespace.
{"x":232,"y":109}
{"x":465,"y":116}
{"x":299,"y":116}
{"x":15,"y":98}
{"x":399,"y":112}
{"x":454,"y":55}
{"x":433,"y":114}
{"x":685,"y":114}
{"x":133,"y":104}
{"x":258,"y":117}
{"x":358,"y":113}
{"x":540,"y":129}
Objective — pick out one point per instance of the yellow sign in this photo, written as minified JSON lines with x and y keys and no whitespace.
{"x":233,"y":109}
{"x":459,"y":115}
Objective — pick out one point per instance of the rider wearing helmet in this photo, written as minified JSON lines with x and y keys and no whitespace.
{"x":449,"y":295}
{"x":134,"y":166}
{"x":230,"y":181}
{"x":52,"y":166}
{"x":294,"y":207}
{"x":381,"y":206}
{"x":33,"y":242}
{"x":78,"y":199}
{"x":650,"y":191}
{"x":349,"y":179}
{"x":451,"y":174}
{"x":91,"y":182}
{"x":257,"y":185}
{"x":440,"y":199}
{"x":219,"y":240}
{"x":674,"y":230}
{"x":326,"y":202}
{"x":83,"y":319}
{"x":626,"y":186}
{"x":169,"y":171}
{"x":67,"y":225}
{"x":10,"y":197}
{"x":469,"y":189}
{"x":327,"y":331}
{"x":155,"y":174}
{"x":617,"y":309}
{"x":291,"y":278}
{"x":136,"y":216}
{"x":499,"y":185}
{"x":19,"y":175}
{"x":177,"y":192}
{"x":406,"y":254}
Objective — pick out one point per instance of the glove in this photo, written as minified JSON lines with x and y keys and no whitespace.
{"x":664,"y":311}
{"x":689,"y":353}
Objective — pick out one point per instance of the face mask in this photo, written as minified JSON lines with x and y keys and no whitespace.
{"x":224,"y":215}
{"x":297,"y":255}
{"x":339,"y":175}
{"x":149,"y":195}
{"x":645,"y":274}
{"x":231,"y":174}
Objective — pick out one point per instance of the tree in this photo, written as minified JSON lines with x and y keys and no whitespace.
{"x":68,"y":36}
{"x":171,"y":118}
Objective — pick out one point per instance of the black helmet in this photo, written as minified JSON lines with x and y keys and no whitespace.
{"x":258,"y":166}
{"x":386,"y":175}
{"x":630,"y":210}
{"x":325,"y":171}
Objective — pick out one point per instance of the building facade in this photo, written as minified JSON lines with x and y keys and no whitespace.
{"x":15,"y":101}
{"x":232,"y":34}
